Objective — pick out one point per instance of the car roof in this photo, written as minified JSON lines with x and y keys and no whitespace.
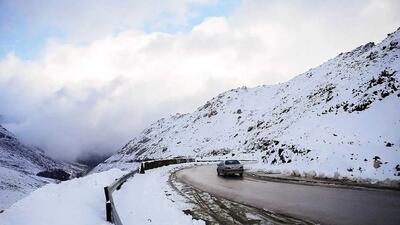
{"x":230,"y":160}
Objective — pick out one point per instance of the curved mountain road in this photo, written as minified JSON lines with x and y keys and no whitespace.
{"x":325,"y":205}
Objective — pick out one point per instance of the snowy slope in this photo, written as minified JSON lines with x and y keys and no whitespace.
{"x":77,"y":201}
{"x":83,"y":201}
{"x":338,"y":117}
{"x":19,"y":165}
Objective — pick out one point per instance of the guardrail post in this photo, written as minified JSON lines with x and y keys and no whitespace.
{"x":106,"y":194}
{"x":141,"y":170}
{"x":108,"y":212}
{"x":108,"y":205}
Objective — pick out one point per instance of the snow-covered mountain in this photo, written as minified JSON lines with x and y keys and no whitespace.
{"x":19,"y":166}
{"x":342,"y":117}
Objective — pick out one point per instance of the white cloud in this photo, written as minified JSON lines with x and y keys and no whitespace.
{"x":95,"y":97}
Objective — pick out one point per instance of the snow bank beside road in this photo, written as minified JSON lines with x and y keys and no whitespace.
{"x":143,"y":199}
{"x":79,"y":201}
{"x":149,"y":199}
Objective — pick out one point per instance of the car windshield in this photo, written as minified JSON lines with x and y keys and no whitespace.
{"x":231,"y":162}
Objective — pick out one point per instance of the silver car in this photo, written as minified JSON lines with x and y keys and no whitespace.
{"x":229,"y":167}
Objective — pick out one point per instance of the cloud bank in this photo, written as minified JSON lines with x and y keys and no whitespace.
{"x":75,"y":99}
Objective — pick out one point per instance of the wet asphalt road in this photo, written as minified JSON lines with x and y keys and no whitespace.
{"x":325,"y":205}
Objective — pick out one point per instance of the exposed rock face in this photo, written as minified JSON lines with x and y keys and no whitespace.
{"x":332,"y":119}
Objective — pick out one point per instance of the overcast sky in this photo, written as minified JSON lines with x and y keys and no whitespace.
{"x":80,"y":77}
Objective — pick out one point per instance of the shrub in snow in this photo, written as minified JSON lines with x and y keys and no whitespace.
{"x":377,"y":162}
{"x":287,"y":172}
{"x":296,"y":173}
{"x":336,"y":175}
{"x":310,"y":174}
{"x":321,"y":175}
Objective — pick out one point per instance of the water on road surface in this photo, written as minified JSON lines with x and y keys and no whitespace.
{"x":325,"y":205}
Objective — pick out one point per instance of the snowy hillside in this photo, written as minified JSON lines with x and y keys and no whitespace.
{"x":43,"y":205}
{"x":341,"y":117}
{"x":83,"y":201}
{"x":19,"y":165}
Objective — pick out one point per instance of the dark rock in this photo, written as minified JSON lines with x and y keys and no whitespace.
{"x":212,"y":113}
{"x":372,"y":55}
{"x":362,"y":106}
{"x":188,"y":212}
{"x":144,"y":140}
{"x":57,"y":174}
{"x":392,"y":45}
{"x":205,"y":106}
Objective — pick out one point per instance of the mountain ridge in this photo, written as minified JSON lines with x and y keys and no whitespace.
{"x":341,"y":117}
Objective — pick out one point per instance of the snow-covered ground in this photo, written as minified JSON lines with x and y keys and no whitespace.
{"x":149,"y":199}
{"x":79,"y":201}
{"x":19,"y":164}
{"x":143,"y":199}
{"x":14,"y":185}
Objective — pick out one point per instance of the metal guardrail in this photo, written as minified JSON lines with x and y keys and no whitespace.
{"x":219,"y":160}
{"x":165,"y":162}
{"x":111,"y":211}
